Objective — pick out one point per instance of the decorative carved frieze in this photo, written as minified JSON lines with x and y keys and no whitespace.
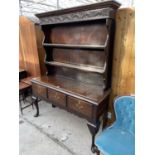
{"x":78,"y":16}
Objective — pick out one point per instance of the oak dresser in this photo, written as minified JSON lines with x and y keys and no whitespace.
{"x":78,"y":43}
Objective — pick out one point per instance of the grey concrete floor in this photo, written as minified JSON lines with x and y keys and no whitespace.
{"x":54,"y":132}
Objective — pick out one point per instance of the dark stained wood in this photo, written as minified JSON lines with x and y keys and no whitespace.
{"x":56,"y":97}
{"x":91,"y":93}
{"x":22,"y":74}
{"x":98,"y":47}
{"x":80,"y":106}
{"x":91,"y":33}
{"x":77,"y":56}
{"x":39,"y":90}
{"x":80,"y":76}
{"x":78,"y":44}
{"x":81,"y":67}
{"x":106,"y":4}
{"x":35,"y":101}
{"x":93,"y":128}
{"x":23,"y":86}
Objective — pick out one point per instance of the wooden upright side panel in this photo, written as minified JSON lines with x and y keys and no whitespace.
{"x":28,"y":46}
{"x":123,"y":74}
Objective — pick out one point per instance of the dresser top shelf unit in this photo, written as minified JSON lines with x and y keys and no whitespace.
{"x":77,"y":47}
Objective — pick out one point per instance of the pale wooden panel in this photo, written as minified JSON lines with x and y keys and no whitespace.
{"x":41,"y":50}
{"x":123,"y":74}
{"x":28,"y":46}
{"x":21,"y":57}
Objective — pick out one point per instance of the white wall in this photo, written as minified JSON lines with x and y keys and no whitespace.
{"x":126,"y":3}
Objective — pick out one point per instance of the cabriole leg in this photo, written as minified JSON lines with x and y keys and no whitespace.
{"x":93,"y":128}
{"x":37,"y":107}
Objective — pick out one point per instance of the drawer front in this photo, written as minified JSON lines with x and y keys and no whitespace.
{"x":80,"y":106}
{"x":39,"y":90}
{"x":56,"y":97}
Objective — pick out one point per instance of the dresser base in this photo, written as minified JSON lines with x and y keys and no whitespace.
{"x":93,"y":127}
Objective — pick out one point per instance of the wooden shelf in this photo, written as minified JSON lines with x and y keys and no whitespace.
{"x":98,"y":47}
{"x":87,"y":68}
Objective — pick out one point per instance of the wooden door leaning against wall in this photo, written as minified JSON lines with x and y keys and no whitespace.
{"x":28,"y":54}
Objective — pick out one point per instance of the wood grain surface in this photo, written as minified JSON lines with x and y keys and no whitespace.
{"x":28,"y":46}
{"x":123,"y":74}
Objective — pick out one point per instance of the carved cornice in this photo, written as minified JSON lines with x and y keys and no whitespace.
{"x":78,"y":16}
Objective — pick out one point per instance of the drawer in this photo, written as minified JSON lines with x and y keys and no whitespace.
{"x":39,"y":90}
{"x":80,"y":106}
{"x":56,"y":97}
